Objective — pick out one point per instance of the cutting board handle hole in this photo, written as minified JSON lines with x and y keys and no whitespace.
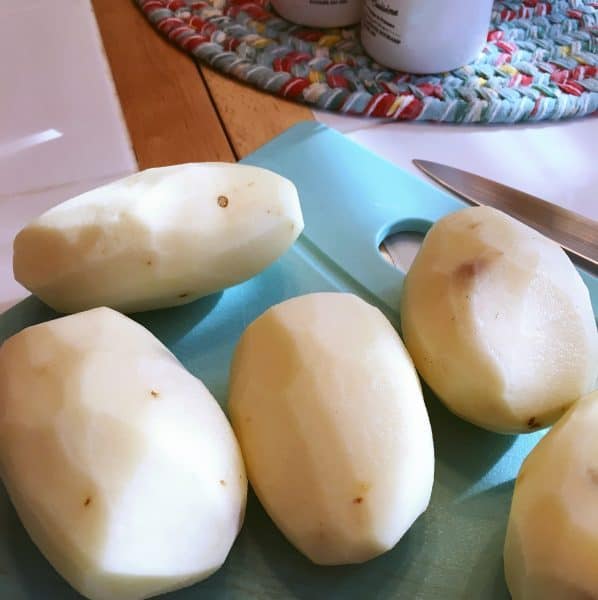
{"x":402,"y":242}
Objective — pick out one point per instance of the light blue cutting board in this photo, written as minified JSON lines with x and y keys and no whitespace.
{"x":351,"y":199}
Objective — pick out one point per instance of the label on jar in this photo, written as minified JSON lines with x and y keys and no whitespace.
{"x":378,"y":17}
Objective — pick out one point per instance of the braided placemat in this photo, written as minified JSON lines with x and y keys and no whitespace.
{"x":540,"y":62}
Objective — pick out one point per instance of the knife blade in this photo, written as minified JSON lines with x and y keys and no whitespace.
{"x":576,"y":234}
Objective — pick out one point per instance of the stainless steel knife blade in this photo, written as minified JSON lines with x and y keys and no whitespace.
{"x":576,"y":234}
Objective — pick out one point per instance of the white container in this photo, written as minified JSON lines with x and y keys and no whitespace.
{"x":424,"y":36}
{"x":320,"y":13}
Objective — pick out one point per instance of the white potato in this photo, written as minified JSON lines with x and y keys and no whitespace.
{"x":330,"y":417}
{"x":498,"y":322}
{"x":159,"y":238}
{"x":121,"y":465}
{"x":551,"y":549}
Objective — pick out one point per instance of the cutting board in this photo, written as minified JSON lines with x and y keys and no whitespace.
{"x":351,"y":200}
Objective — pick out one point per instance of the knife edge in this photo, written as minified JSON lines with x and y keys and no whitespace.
{"x":576,"y":234}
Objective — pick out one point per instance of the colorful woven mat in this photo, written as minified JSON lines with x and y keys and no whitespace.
{"x":540,"y":62}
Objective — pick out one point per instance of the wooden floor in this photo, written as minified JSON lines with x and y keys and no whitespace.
{"x":175,"y":110}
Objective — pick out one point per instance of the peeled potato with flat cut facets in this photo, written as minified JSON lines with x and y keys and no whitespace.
{"x":551,"y":549}
{"x":121,"y":465}
{"x":331,"y":420}
{"x":498,"y":322}
{"x":159,"y":238}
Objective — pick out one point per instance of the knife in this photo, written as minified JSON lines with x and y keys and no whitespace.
{"x":576,"y":234}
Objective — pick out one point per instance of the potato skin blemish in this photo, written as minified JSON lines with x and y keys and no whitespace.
{"x":468,"y":270}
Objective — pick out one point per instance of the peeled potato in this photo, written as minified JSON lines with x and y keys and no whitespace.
{"x":551,"y":550}
{"x":498,"y":322}
{"x":159,"y":238}
{"x":121,"y":465}
{"x":330,"y":417}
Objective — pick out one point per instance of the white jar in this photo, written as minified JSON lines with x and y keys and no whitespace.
{"x":320,"y":13}
{"x":425,"y":36}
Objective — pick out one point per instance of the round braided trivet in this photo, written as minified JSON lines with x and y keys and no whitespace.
{"x":540,"y":62}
